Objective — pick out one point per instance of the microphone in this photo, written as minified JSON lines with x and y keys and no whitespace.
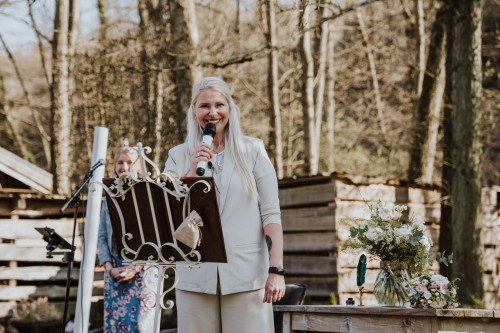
{"x":96,"y":165}
{"x":208,"y":137}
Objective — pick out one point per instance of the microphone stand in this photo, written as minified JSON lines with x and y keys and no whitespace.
{"x":70,"y":256}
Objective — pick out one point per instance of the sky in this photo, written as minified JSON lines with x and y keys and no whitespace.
{"x":15,"y":21}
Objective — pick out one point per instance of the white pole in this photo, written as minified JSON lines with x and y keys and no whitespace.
{"x":83,"y":299}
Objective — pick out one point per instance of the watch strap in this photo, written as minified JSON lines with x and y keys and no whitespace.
{"x":276,"y":270}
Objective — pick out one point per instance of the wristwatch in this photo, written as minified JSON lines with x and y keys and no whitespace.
{"x":276,"y":270}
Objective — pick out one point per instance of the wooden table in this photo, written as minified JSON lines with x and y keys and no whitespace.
{"x":378,"y":319}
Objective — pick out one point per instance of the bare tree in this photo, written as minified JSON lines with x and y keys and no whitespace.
{"x":63,"y":43}
{"x":462,"y":173}
{"x":420,"y":37}
{"x":427,"y":117}
{"x":333,"y":36}
{"x":311,"y":149}
{"x":275,"y":135}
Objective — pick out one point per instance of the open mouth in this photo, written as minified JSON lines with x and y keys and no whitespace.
{"x":213,"y":121}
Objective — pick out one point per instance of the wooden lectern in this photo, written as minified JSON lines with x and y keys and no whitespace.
{"x":145,"y":211}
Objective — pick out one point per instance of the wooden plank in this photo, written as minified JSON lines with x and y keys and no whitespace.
{"x":52,"y":292}
{"x":14,"y":229}
{"x":308,"y":219}
{"x":42,"y":273}
{"x":309,"y":242}
{"x":354,"y":209}
{"x":31,"y":254}
{"x":405,"y":194}
{"x":310,"y":265}
{"x":25,"y":172}
{"x":489,"y":260}
{"x":491,"y":236}
{"x":287,"y":323}
{"x":490,"y":197}
{"x":469,"y":325}
{"x":30,"y":206}
{"x":312,"y":195}
{"x":364,"y":193}
{"x":430,"y":213}
{"x":319,"y":322}
{"x":42,"y":243}
{"x":356,"y":323}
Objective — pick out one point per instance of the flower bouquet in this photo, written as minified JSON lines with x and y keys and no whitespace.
{"x":432,"y":291}
{"x":399,"y":242}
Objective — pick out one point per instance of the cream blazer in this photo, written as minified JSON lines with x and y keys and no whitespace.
{"x":243,"y":219}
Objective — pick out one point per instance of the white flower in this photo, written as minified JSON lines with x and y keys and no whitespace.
{"x":403,"y":232}
{"x":385,"y":212}
{"x":374,"y":234}
{"x":426,"y":242}
{"x":418,"y":223}
{"x":396,"y":214}
{"x":440,"y":280}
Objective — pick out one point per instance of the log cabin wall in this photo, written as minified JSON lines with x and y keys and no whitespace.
{"x":25,"y":271}
{"x":312,"y":209}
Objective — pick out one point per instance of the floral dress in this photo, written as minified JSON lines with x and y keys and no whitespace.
{"x":129,"y":305}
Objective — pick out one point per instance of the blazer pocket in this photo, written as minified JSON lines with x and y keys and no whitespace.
{"x":248,"y":248}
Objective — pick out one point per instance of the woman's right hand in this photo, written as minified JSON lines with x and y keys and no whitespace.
{"x":202,"y":153}
{"x":122,"y":274}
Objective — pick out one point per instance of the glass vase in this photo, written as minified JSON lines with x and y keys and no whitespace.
{"x":389,"y":287}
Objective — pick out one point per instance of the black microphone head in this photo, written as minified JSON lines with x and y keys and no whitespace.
{"x":200,"y":171}
{"x":209,"y":130}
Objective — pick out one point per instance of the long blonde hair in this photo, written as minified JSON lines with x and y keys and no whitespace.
{"x":235,"y":141}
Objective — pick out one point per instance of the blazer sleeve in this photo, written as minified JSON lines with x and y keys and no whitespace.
{"x":175,"y":161}
{"x":267,"y":187}
{"x":102,"y":238}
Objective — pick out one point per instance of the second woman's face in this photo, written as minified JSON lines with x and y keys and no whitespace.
{"x":124,"y":163}
{"x":212,"y":107}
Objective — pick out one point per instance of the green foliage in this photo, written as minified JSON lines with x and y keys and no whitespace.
{"x":445,"y":260}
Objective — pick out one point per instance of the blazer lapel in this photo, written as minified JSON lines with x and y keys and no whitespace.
{"x":227,"y":173}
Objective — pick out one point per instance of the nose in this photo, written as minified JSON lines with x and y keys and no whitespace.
{"x":213,"y":110}
{"x":126,"y":166}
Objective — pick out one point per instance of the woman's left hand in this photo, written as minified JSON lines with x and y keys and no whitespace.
{"x":275,"y":288}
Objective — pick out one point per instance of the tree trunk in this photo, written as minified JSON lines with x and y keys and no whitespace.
{"x":333,"y":36}
{"x":420,"y":21}
{"x":426,"y":121}
{"x":466,"y":146}
{"x":311,"y":149}
{"x":320,"y":79}
{"x":60,"y":107}
{"x":183,"y":46}
{"x":276,"y":143}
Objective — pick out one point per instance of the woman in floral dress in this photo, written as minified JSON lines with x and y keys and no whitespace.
{"x":128,"y":296}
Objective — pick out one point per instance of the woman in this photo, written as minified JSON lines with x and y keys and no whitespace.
{"x":236,"y":296}
{"x":125,"y":293}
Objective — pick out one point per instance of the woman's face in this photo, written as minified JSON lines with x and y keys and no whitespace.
{"x":212,"y":107}
{"x":124,"y":163}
